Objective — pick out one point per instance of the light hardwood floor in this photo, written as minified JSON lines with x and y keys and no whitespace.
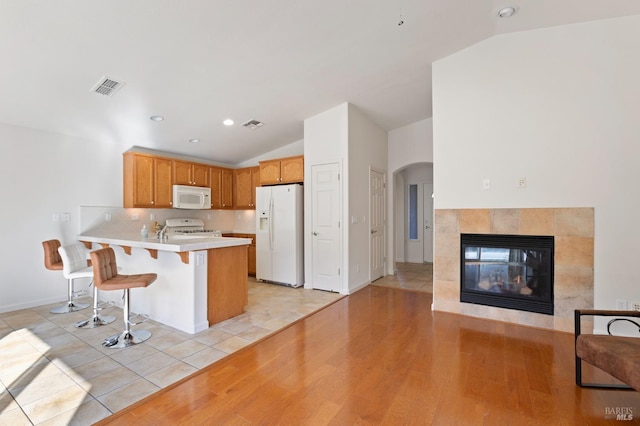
{"x":381,"y":356}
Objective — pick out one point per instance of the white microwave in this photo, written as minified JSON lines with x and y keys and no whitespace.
{"x":191,"y":197}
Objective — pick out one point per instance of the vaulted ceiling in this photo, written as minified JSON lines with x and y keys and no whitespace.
{"x":198,"y":62}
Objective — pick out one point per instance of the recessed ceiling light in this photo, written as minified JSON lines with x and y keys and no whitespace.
{"x":507,"y":12}
{"x":194,"y":140}
{"x":156,"y":118}
{"x":228,"y":122}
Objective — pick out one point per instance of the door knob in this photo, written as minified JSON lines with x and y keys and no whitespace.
{"x":373,"y":231}
{"x":315,"y":233}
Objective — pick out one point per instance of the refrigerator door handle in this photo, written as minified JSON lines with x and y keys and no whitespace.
{"x":271,"y":223}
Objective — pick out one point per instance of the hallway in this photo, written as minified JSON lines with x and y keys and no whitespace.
{"x":409,"y":276}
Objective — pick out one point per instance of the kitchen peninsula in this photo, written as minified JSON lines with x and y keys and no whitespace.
{"x":201,"y":281}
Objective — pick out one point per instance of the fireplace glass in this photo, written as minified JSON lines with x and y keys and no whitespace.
{"x":508,"y":271}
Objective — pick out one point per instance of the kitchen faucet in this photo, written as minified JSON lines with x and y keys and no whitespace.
{"x":162,"y":233}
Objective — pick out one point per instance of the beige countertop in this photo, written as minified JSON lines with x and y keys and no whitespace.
{"x":173,"y":244}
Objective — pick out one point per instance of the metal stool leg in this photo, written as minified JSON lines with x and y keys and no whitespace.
{"x":70,"y":306}
{"x":96,"y":320}
{"x":127,"y":337}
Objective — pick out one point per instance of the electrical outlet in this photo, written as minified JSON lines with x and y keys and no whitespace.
{"x":635,"y":305}
{"x":152,"y":216}
{"x":522,"y":183}
{"x":107,"y":217}
{"x":486,"y":183}
{"x":135,"y":217}
{"x":621,"y":304}
{"x":66,"y":217}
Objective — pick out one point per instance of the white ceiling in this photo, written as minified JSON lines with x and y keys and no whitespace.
{"x":197,"y":62}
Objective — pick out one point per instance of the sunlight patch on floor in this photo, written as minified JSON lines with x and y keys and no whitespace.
{"x":34,"y":385}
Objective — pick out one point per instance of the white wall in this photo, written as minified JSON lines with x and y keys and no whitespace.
{"x":42,"y":174}
{"x":559,"y":107}
{"x":326,"y":138}
{"x":411,"y":144}
{"x":344,"y":135}
{"x":367,"y":151}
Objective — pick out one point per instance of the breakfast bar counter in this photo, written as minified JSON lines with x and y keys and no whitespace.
{"x":201,"y":281}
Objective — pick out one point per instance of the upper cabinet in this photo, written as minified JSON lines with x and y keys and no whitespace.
{"x":147,"y":181}
{"x":221,"y":183}
{"x":187,"y":173}
{"x":282,"y":170}
{"x":245,"y":182}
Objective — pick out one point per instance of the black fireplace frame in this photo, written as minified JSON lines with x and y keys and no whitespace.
{"x":508,"y":301}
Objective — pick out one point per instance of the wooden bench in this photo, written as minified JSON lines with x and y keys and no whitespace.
{"x":617,"y":355}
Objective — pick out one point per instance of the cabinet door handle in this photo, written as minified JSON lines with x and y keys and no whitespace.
{"x":153,"y":202}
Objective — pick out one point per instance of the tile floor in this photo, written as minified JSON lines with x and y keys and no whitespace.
{"x":410,"y":276}
{"x":52,"y":373}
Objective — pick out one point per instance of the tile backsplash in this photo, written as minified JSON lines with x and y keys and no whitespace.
{"x":118,"y":219}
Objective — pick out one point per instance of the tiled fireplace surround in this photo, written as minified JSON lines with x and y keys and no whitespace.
{"x":573,"y":229}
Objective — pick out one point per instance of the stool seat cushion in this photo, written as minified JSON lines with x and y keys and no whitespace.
{"x":617,"y":355}
{"x":106,"y":275}
{"x":120,"y":282}
{"x":81,"y":273}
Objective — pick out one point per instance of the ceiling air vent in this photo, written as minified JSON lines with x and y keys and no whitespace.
{"x":253,"y":124}
{"x":107,"y":86}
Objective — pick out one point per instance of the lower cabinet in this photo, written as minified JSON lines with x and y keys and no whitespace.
{"x":251,"y":258}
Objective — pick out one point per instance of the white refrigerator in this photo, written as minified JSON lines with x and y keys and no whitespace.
{"x":279,"y":235}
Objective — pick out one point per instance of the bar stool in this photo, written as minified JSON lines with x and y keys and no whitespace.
{"x":53,"y":262}
{"x":106,"y":277}
{"x":74,"y":261}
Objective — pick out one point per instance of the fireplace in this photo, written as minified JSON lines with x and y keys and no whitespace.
{"x":507,"y":271}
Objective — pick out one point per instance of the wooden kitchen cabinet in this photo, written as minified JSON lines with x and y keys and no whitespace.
{"x":245,"y":182}
{"x":282,"y":170}
{"x":251,"y":257}
{"x":147,"y":181}
{"x":221,"y":183}
{"x":251,"y":260}
{"x":187,"y":173}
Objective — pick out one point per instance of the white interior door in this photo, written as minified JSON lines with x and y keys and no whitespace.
{"x":427,"y":221}
{"x":377,"y":224}
{"x":325,"y":227}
